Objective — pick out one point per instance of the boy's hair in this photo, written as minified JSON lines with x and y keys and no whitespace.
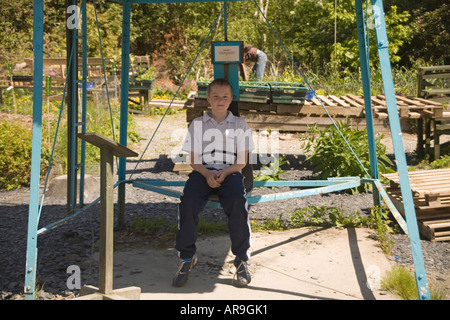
{"x":219,"y":82}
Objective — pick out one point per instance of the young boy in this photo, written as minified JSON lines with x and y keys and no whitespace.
{"x":218,"y":143}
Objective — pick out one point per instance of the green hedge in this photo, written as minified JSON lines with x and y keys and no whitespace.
{"x":15,"y":155}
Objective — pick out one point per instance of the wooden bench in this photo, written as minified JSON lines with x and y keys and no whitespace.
{"x":434,"y":82}
{"x":440,"y":126}
{"x":57,"y":68}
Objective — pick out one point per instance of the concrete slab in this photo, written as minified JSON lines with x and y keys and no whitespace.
{"x":300,"y":264}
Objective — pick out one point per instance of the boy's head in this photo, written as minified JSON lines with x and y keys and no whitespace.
{"x":219,"y":82}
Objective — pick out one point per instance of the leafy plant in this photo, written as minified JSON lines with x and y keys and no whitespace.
{"x":272,"y":224}
{"x":401,"y":282}
{"x":326,"y":216}
{"x":148,"y":74}
{"x":273,"y":171}
{"x":331,"y":157}
{"x":379,"y":221}
{"x":15,"y":155}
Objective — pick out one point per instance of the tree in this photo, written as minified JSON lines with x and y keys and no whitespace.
{"x":430,"y":39}
{"x":16,"y":30}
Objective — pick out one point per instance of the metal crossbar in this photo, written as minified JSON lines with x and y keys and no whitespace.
{"x":316,"y":187}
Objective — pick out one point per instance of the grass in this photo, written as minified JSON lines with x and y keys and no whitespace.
{"x":163,"y":225}
{"x":324,"y":215}
{"x":401,"y":282}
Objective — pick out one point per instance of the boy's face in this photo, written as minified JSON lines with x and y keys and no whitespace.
{"x":220,"y":98}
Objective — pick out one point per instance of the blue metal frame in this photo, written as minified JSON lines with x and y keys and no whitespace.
{"x":33,"y":210}
{"x":365,"y":72}
{"x":126,"y":25}
{"x":83,"y":101}
{"x":319,"y":186}
{"x":399,"y":150}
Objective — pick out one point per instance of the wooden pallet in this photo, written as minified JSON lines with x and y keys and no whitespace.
{"x":349,"y":108}
{"x":352,"y":105}
{"x":431,"y":195}
{"x":344,"y":106}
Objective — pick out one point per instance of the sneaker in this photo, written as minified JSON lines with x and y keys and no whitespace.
{"x":242,"y":274}
{"x":182,"y":274}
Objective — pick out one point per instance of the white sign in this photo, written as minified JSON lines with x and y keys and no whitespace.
{"x":227,"y":52}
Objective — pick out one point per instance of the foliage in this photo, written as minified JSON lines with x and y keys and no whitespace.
{"x":329,"y":216}
{"x":16,"y":25}
{"x":152,"y":225}
{"x":270,"y":224}
{"x":15,"y":138}
{"x":430,"y":38}
{"x":326,"y":216}
{"x":15,"y":155}
{"x":172,"y":33}
{"x":273,"y":171}
{"x":331,"y":157}
{"x":97,"y":120}
{"x":347,"y":49}
{"x":402,"y":283}
{"x":441,"y":163}
{"x":148,"y":74}
{"x":379,"y":221}
{"x":163,"y":225}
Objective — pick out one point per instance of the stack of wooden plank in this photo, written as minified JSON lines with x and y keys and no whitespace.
{"x":348,"y":108}
{"x":431,"y":193}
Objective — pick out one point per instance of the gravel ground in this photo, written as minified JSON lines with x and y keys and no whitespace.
{"x":74,"y":242}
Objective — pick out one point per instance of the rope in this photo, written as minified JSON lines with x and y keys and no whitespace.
{"x":56,"y":132}
{"x":72,"y":53}
{"x":309,"y":86}
{"x":176,"y":93}
{"x":104,"y":70}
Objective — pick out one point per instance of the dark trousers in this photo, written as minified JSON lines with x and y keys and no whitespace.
{"x":232,"y":199}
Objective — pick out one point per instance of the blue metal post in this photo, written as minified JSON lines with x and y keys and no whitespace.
{"x":72,"y":107}
{"x":124,"y":105}
{"x":33,"y":215}
{"x":399,"y":151}
{"x":83,"y":100}
{"x":365,"y":73}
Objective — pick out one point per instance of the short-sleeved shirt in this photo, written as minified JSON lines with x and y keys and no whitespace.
{"x":218,"y":144}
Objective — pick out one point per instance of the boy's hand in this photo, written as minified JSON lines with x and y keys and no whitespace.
{"x":221,"y":175}
{"x":211,"y":179}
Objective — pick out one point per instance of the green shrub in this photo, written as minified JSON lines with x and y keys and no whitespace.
{"x":326,"y":216}
{"x":331,"y":157}
{"x":273,"y":171}
{"x":15,"y":155}
{"x":401,"y":282}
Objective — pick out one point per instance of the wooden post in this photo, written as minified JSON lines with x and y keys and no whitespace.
{"x":108,"y":149}
{"x":106,"y":220}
